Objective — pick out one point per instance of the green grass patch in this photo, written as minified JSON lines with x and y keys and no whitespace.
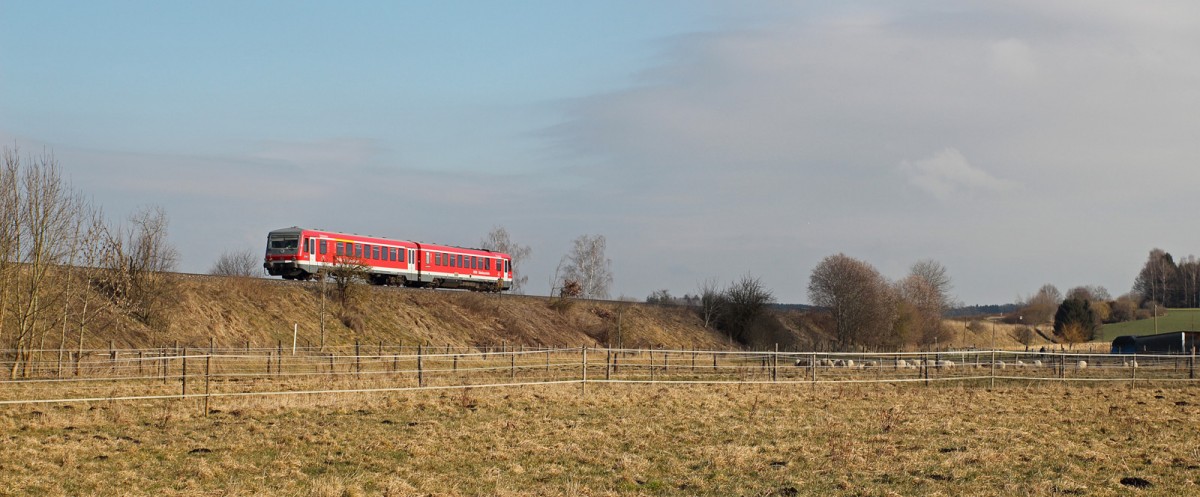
{"x":1175,"y":320}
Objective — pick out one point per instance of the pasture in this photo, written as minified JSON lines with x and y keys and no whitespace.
{"x":878,"y":439}
{"x":1175,"y":320}
{"x":646,"y":423}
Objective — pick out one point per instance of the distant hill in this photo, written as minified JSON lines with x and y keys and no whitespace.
{"x":1175,"y":320}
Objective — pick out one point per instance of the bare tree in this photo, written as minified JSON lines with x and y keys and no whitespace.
{"x":587,"y":265}
{"x":240,"y":263}
{"x":1158,"y":279}
{"x":47,"y":217}
{"x":137,"y":256}
{"x":926,"y":291}
{"x":859,"y":299}
{"x":10,"y":228}
{"x":712,"y":301}
{"x":348,"y":275}
{"x":936,"y":277}
{"x":745,"y":301}
{"x":1040,"y":308}
{"x":498,"y":240}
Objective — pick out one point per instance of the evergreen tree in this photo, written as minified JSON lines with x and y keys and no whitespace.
{"x":1075,"y":321}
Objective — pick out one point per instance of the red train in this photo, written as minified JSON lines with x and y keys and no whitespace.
{"x":300,"y":254}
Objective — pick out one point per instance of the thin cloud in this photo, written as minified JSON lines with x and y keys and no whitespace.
{"x":947,"y":172}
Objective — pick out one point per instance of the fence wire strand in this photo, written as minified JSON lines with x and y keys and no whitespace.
{"x":174,"y":373}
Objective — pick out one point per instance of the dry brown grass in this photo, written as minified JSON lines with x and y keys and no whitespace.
{"x":620,"y":439}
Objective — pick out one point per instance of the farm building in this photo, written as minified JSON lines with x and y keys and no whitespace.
{"x":1177,"y":342}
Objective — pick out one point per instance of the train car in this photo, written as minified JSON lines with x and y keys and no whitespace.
{"x":301,"y":254}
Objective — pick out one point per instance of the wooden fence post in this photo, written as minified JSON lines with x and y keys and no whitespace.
{"x":1192,"y":364}
{"x":583,"y":384}
{"x":651,"y":364}
{"x":357,"y":360}
{"x":512,"y":375}
{"x":775,"y":364}
{"x":1133,"y":372}
{"x":420,"y":367}
{"x":278,"y":357}
{"x":993,"y":377}
{"x":812,"y":363}
{"x":184,"y":373}
{"x":207,"y":381}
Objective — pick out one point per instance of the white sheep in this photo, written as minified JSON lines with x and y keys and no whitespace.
{"x":1020,"y":363}
{"x":1131,"y":364}
{"x":1037,"y":364}
{"x":849,"y":363}
{"x":1081,"y":365}
{"x":901,"y":364}
{"x":1000,"y":364}
{"x":945,"y":364}
{"x":869,"y":364}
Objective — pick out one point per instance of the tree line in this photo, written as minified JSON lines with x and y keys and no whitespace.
{"x":63,"y":264}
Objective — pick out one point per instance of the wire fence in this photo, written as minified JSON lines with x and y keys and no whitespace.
{"x":62,"y":376}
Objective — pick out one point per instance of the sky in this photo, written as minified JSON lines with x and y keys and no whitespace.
{"x":1016,"y":142}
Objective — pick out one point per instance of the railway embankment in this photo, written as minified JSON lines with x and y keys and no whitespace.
{"x":258,"y":312}
{"x":261,"y":312}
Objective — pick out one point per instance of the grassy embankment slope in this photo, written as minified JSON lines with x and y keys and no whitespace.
{"x":262,"y":313}
{"x":1175,"y":320}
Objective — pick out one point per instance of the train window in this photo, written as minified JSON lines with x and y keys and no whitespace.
{"x":487,"y":264}
{"x":438,"y":257}
{"x":341,"y":248}
{"x":426,"y":257}
{"x":474,"y":262}
{"x":507,"y":265}
{"x":324,"y":247}
{"x":375,"y":252}
{"x":358,"y":251}
{"x":400,"y":253}
{"x":453,"y":261}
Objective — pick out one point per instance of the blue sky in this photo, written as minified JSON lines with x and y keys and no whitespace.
{"x":1017,"y":142}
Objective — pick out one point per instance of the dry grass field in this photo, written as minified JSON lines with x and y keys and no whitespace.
{"x":621,"y":439}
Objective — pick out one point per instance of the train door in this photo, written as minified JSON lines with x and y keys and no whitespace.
{"x":412,"y":260}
